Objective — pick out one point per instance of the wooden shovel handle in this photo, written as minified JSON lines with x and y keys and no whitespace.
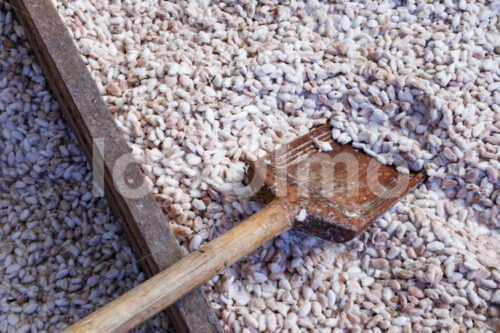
{"x":163,"y":289}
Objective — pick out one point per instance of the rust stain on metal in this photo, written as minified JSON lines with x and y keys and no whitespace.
{"x":342,"y":190}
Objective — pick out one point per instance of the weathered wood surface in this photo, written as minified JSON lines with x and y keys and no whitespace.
{"x":85,"y":111}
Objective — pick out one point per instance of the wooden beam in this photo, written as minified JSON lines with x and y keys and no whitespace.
{"x":86,"y":112}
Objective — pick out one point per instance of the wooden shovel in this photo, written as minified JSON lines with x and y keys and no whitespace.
{"x":330,"y":194}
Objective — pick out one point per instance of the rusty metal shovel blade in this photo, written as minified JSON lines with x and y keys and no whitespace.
{"x":340,"y":191}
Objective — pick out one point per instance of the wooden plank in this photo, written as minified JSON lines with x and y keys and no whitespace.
{"x":86,"y":112}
